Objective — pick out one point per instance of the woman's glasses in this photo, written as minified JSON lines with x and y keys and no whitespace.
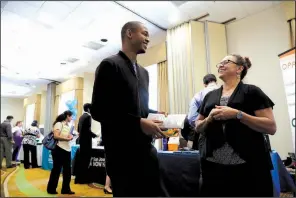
{"x":225,"y":63}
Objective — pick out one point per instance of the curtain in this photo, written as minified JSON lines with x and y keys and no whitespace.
{"x":180,"y":68}
{"x":162,"y":79}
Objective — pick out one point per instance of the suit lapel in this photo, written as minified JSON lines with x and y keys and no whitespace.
{"x":129,"y":63}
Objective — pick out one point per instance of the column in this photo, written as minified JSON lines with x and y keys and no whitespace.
{"x":49,"y":110}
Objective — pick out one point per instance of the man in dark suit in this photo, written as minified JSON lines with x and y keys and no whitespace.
{"x":85,"y":141}
{"x":120,"y":103}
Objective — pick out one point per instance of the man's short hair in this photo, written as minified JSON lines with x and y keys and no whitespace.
{"x":209,"y":78}
{"x":132,"y":25}
{"x":86,"y":107}
{"x":9,"y":117}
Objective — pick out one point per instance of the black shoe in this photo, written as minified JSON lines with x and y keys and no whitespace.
{"x":52,"y":192}
{"x":107,"y":192}
{"x":68,"y":192}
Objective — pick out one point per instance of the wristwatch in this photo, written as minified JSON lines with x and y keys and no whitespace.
{"x":239,"y":115}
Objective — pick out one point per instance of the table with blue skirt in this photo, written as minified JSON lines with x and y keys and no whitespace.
{"x":180,"y":172}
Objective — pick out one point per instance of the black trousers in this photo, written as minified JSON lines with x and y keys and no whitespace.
{"x":61,"y":159}
{"x":15,"y":153}
{"x":137,"y":175}
{"x":82,"y":173}
{"x":235,"y":180}
{"x":27,"y":149}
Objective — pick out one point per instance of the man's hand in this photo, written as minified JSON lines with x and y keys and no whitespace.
{"x":151,"y":128}
{"x":70,"y":137}
{"x":162,"y":112}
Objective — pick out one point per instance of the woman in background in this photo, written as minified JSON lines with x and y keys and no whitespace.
{"x":61,"y":155}
{"x":107,"y":188}
{"x":30,"y":144}
{"x":232,"y":122}
{"x":17,"y":138}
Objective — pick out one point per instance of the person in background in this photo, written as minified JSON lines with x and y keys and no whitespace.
{"x":61,"y":155}
{"x":232,"y":122}
{"x":6,"y":142}
{"x":210,"y":83}
{"x":107,"y":188}
{"x":17,"y":138}
{"x":30,"y":144}
{"x":131,"y":159}
{"x":85,"y":141}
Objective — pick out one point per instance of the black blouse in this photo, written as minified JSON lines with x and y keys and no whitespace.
{"x":247,"y":143}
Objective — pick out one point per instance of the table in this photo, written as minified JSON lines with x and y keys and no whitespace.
{"x":96,"y":171}
{"x":180,"y":172}
{"x":39,"y":154}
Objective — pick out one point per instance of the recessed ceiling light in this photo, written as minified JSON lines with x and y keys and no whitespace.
{"x":104,"y":40}
{"x":63,"y":63}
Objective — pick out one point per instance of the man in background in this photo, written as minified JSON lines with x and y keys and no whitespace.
{"x":210,"y":83}
{"x":6,"y":142}
{"x":120,"y":103}
{"x":85,"y":141}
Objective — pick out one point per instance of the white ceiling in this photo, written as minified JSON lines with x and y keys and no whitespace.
{"x":37,"y":36}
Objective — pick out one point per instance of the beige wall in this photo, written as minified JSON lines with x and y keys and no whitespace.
{"x":153,"y":55}
{"x":289,"y":9}
{"x":14,"y":107}
{"x":262,"y":37}
{"x":89,"y":79}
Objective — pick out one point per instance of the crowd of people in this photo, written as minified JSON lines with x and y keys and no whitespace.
{"x":13,"y":138}
{"x":225,"y":121}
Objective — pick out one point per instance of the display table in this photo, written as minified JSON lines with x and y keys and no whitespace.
{"x":39,"y":154}
{"x":96,"y":171}
{"x":180,"y":172}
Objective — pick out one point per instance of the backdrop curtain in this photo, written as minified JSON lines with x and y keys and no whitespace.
{"x":180,"y":68}
{"x":163,"y":97}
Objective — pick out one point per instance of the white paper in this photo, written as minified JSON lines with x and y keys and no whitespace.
{"x":169,"y":122}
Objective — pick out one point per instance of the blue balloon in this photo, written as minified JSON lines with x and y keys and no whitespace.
{"x":71,"y":104}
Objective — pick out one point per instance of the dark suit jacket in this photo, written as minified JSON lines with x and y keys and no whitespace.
{"x":85,"y":133}
{"x":120,"y":99}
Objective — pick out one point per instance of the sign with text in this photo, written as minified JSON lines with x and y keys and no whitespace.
{"x":287,"y":63}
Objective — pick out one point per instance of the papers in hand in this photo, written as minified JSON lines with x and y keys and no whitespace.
{"x":169,"y":122}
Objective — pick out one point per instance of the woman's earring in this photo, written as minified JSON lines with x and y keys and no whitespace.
{"x":238,"y":75}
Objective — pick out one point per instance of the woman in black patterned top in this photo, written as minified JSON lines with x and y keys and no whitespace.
{"x":232,"y":121}
{"x":30,"y":145}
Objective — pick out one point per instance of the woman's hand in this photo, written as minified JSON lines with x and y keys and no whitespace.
{"x":223,"y":113}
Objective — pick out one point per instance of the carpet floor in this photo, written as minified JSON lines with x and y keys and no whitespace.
{"x":20,"y":182}
{"x":33,"y":183}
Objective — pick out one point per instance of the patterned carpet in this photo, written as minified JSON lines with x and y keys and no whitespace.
{"x":33,"y":182}
{"x":20,"y":182}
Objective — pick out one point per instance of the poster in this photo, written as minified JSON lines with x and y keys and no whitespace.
{"x":287,"y":64}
